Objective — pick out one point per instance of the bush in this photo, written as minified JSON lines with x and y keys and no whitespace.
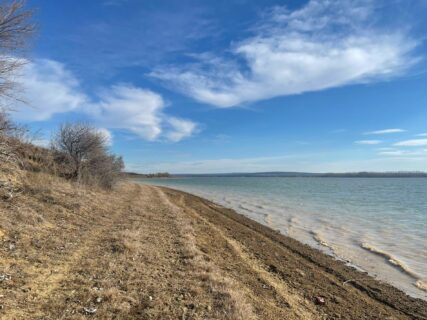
{"x":82,"y":153}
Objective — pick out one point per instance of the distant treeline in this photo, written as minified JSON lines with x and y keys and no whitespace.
{"x":395,"y":174}
{"x":149,"y":175}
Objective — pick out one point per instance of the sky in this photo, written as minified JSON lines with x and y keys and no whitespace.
{"x":235,"y":85}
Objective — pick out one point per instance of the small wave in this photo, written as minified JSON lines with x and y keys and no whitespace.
{"x":394,"y":262}
{"x":241,"y":206}
{"x":320,"y":240}
{"x":421,"y":285}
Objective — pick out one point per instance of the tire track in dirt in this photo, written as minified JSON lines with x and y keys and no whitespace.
{"x":300,"y":308}
{"x":45,"y":280}
{"x":232,"y":303}
{"x":152,"y":273}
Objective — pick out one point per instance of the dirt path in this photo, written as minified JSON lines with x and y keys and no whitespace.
{"x":153,"y":253}
{"x":131,"y":254}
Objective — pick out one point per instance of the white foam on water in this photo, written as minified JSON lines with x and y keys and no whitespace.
{"x":394,"y":261}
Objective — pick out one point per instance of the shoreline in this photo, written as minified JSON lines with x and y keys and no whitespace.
{"x":358,"y":245}
{"x":346,"y":275}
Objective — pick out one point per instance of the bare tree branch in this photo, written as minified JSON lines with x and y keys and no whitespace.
{"x":15,"y":29}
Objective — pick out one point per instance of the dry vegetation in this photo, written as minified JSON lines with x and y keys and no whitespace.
{"x":82,"y":155}
{"x":139,"y":252}
{"x":70,"y":253}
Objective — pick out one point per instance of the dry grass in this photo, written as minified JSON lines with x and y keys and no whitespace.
{"x":228,"y":301}
{"x":10,"y":173}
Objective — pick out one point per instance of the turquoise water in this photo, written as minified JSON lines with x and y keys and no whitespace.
{"x":376,"y":224}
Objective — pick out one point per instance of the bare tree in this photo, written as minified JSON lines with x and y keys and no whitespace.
{"x":15,"y":28}
{"x":83,"y":150}
{"x":76,"y":142}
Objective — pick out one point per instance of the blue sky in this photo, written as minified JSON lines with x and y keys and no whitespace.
{"x":228,"y":86}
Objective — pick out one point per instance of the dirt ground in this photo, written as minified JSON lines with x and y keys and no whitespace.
{"x":143,"y":252}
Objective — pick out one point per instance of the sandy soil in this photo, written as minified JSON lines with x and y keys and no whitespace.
{"x":145,"y":252}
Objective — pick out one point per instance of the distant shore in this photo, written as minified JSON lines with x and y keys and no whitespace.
{"x":278,"y":174}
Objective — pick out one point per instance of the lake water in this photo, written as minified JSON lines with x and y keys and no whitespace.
{"x":376,"y":224}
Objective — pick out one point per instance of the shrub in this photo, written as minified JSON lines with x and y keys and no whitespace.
{"x":81,"y":152}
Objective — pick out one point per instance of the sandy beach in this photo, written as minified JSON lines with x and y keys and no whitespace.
{"x":144,"y":252}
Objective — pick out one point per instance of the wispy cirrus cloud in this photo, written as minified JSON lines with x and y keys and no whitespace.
{"x":368,"y":142}
{"x":401,"y":153}
{"x":324,"y":44}
{"x":51,"y":89}
{"x":412,"y":143}
{"x":422,"y":135}
{"x":386,"y":131}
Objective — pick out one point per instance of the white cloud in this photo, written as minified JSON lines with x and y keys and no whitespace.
{"x":412,"y":143}
{"x":107,"y":135}
{"x":397,"y":152}
{"x":325,"y":44}
{"x":385,"y":131}
{"x":140,"y":111}
{"x":41,"y":142}
{"x":181,"y":128}
{"x":50,"y":89}
{"x":369,"y":142}
{"x":422,"y":135}
{"x":135,"y":109}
